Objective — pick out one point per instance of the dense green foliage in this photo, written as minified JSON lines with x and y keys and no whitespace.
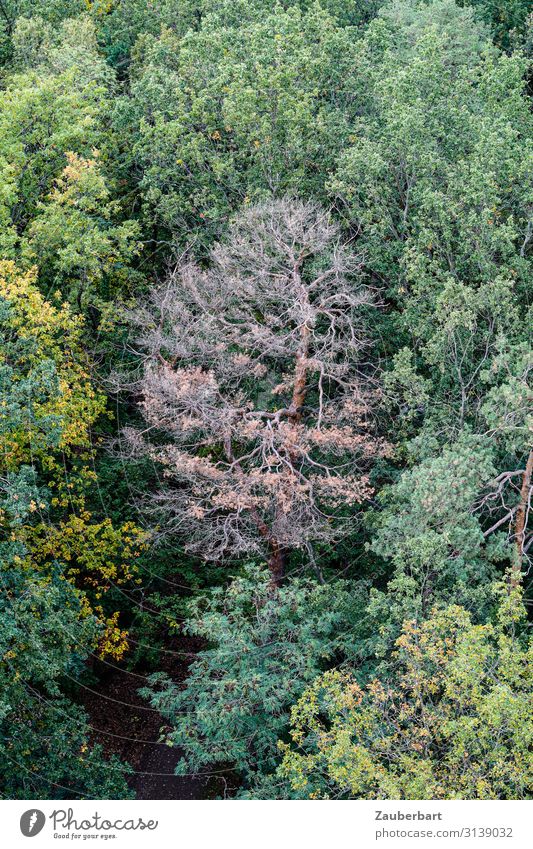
{"x":452,"y":720}
{"x":265,"y":648}
{"x":265,"y":395}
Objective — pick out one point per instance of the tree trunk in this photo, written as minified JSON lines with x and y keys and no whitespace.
{"x":300,"y":377}
{"x":276,"y":561}
{"x":276,"y":564}
{"x":300,"y":369}
{"x":520,"y":524}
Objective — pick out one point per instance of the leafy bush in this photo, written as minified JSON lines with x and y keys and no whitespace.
{"x":264,"y":647}
{"x":453,"y":720}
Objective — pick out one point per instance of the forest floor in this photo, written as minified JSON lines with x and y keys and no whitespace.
{"x":125,"y":725}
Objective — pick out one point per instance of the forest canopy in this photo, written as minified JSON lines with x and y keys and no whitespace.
{"x":265,"y":399}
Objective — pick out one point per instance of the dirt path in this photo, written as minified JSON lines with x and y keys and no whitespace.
{"x":156,"y":779}
{"x":124,"y":725}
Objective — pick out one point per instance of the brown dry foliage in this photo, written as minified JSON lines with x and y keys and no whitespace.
{"x":251,"y":384}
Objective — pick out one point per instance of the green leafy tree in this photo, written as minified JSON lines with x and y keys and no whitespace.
{"x":452,"y":720}
{"x":263,"y":648}
{"x":41,"y":118}
{"x":48,"y":407}
{"x":431,"y":534}
{"x":75,"y":239}
{"x":54,"y":50}
{"x":507,"y":18}
{"x":45,"y":637}
{"x":437,"y":182}
{"x":50,"y":11}
{"x":230,"y":114}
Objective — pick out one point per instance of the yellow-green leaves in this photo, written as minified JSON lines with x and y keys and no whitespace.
{"x":51,"y":401}
{"x":450,"y":720}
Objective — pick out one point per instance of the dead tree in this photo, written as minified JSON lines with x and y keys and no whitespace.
{"x":508,"y":502}
{"x":252,"y":393}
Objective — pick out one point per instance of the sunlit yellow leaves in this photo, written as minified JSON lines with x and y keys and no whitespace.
{"x":114,"y":642}
{"x":74,"y":238}
{"x":99,"y":554}
{"x":37,"y":332}
{"x":49,"y":409}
